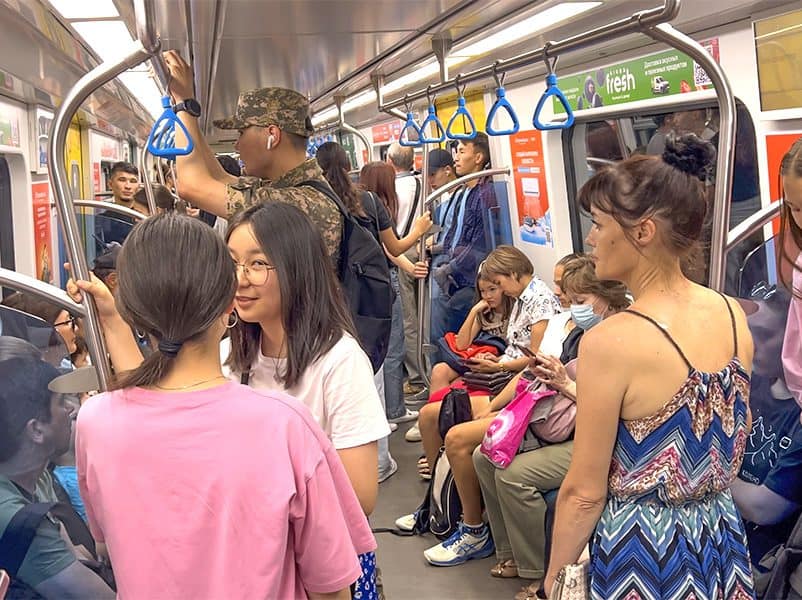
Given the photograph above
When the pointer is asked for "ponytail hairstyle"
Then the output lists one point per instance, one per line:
(335, 164)
(790, 166)
(672, 189)
(175, 279)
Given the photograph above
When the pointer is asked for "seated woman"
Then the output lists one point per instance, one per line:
(509, 268)
(234, 491)
(481, 320)
(513, 496)
(489, 316)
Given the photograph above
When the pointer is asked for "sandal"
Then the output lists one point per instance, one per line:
(423, 468)
(530, 592)
(505, 569)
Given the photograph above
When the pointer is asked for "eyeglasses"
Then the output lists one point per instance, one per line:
(255, 272)
(71, 322)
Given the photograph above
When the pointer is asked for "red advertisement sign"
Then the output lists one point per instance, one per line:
(777, 144)
(96, 178)
(41, 231)
(529, 174)
(386, 132)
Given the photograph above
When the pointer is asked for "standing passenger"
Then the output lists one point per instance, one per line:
(662, 398)
(231, 492)
(274, 126)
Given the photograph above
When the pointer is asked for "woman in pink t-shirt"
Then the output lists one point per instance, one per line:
(790, 245)
(202, 487)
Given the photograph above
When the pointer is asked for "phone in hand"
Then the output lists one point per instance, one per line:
(527, 351)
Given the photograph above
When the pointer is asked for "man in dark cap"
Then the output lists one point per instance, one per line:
(105, 266)
(274, 126)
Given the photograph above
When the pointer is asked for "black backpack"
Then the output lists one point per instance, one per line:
(365, 278)
(780, 575)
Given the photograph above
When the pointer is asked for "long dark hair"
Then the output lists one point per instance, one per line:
(791, 164)
(175, 279)
(313, 309)
(379, 178)
(335, 164)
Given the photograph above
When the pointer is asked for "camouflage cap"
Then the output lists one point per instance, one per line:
(287, 109)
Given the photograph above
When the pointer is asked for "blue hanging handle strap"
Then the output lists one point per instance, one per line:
(552, 90)
(463, 112)
(433, 120)
(161, 141)
(501, 103)
(410, 127)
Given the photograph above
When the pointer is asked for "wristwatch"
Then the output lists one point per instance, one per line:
(190, 105)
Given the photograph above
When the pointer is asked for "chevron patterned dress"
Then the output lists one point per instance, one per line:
(670, 529)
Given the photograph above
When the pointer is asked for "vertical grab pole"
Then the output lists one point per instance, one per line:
(726, 145)
(145, 173)
(97, 77)
(422, 313)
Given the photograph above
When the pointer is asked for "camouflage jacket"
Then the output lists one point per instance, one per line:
(252, 190)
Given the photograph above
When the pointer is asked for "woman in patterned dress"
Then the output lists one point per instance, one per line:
(662, 399)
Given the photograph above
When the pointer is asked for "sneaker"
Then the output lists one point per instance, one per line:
(389, 472)
(393, 426)
(410, 389)
(413, 434)
(417, 397)
(407, 522)
(464, 545)
(409, 415)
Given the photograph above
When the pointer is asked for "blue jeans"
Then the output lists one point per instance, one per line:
(448, 313)
(394, 361)
(385, 460)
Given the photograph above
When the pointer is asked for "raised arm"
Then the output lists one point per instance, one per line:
(201, 180)
(396, 246)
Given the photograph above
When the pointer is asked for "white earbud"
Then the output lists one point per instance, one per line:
(270, 141)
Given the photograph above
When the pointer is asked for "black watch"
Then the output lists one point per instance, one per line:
(190, 105)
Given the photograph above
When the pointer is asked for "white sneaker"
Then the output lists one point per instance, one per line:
(406, 523)
(413, 434)
(393, 426)
(461, 547)
(409, 415)
(389, 472)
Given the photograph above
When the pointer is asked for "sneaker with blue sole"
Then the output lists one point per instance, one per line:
(466, 543)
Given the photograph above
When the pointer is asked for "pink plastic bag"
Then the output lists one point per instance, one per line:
(503, 436)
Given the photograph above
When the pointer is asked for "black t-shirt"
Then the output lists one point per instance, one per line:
(773, 457)
(376, 212)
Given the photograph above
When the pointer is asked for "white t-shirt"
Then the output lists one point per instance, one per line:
(555, 334)
(338, 389)
(405, 187)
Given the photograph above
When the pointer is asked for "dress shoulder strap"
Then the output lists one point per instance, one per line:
(732, 321)
(664, 332)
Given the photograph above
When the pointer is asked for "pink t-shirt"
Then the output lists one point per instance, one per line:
(229, 492)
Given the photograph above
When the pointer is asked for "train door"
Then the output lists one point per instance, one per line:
(6, 218)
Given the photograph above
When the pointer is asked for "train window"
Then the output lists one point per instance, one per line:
(593, 145)
(778, 45)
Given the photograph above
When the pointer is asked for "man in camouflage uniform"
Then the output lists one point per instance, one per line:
(274, 127)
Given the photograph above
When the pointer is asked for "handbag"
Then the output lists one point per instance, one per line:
(572, 583)
(554, 419)
(503, 437)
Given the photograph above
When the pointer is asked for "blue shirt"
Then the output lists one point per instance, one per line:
(473, 241)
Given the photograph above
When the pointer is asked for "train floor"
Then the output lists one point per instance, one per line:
(405, 573)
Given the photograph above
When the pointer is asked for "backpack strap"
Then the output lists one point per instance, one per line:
(245, 378)
(414, 207)
(325, 189)
(19, 534)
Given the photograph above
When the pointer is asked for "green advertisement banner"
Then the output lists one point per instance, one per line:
(662, 74)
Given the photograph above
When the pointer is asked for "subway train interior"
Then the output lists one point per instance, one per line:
(417, 418)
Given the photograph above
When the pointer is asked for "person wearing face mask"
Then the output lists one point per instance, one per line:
(513, 496)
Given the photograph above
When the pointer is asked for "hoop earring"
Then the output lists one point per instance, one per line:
(236, 320)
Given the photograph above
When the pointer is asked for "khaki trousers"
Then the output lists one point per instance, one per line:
(515, 506)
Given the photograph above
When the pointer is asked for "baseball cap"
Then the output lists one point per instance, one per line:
(78, 381)
(108, 260)
(287, 109)
(439, 158)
